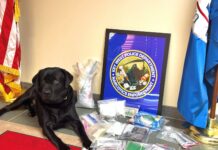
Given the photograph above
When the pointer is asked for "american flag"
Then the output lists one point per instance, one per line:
(10, 52)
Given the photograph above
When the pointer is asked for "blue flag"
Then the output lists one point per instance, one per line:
(212, 52)
(200, 62)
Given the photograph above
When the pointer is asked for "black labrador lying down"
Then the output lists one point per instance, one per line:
(51, 99)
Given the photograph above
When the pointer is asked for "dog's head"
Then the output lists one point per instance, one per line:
(52, 84)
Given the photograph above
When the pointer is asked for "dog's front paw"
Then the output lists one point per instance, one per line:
(90, 148)
(32, 114)
(2, 111)
(87, 149)
(87, 144)
(63, 147)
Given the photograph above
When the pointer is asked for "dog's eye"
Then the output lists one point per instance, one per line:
(56, 82)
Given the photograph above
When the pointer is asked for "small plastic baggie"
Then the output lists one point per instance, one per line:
(154, 122)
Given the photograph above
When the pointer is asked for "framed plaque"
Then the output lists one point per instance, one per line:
(134, 68)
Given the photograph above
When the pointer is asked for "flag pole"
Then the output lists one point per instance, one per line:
(214, 98)
(210, 134)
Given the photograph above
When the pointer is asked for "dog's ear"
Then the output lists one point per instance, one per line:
(68, 78)
(35, 80)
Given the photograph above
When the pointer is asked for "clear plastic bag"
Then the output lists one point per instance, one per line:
(134, 133)
(94, 126)
(154, 122)
(108, 144)
(120, 107)
(111, 108)
(174, 135)
(96, 131)
(85, 75)
(107, 109)
(142, 146)
(131, 110)
(116, 129)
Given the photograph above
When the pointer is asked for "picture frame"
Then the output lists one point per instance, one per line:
(134, 68)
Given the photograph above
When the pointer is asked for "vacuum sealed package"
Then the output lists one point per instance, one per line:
(142, 146)
(136, 146)
(154, 122)
(108, 144)
(184, 140)
(174, 135)
(165, 134)
(134, 133)
(85, 76)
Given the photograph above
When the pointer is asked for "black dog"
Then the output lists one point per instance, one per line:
(51, 99)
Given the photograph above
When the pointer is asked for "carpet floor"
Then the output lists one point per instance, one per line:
(26, 130)
(10, 140)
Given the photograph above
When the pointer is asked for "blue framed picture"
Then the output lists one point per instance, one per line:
(134, 68)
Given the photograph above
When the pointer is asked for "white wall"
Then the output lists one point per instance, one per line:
(61, 33)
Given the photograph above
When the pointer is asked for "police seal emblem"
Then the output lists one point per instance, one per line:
(133, 74)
